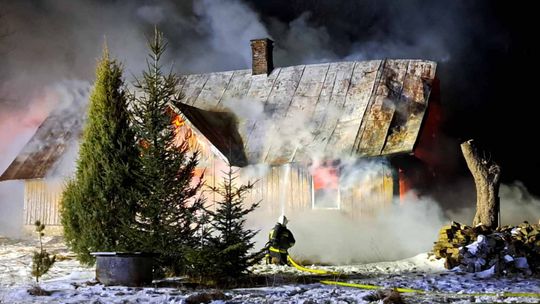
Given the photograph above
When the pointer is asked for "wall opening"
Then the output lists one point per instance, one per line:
(325, 185)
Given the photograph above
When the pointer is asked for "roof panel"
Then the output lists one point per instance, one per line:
(213, 89)
(193, 87)
(238, 87)
(39, 156)
(276, 144)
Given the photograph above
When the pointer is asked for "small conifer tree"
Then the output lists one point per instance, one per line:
(98, 204)
(228, 243)
(41, 260)
(168, 202)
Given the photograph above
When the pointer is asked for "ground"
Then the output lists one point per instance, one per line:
(70, 282)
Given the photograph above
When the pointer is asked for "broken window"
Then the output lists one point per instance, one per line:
(325, 177)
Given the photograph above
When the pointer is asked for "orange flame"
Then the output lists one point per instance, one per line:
(185, 133)
(178, 121)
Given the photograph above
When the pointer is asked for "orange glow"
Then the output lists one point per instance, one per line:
(144, 143)
(428, 143)
(325, 177)
(404, 186)
(185, 133)
(178, 121)
(197, 175)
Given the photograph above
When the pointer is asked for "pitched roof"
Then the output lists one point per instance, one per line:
(363, 108)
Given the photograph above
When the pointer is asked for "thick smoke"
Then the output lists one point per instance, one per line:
(517, 206)
(397, 230)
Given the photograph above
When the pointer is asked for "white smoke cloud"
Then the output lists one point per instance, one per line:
(400, 230)
(518, 205)
(230, 25)
(11, 208)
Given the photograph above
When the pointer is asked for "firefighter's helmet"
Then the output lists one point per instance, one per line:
(283, 220)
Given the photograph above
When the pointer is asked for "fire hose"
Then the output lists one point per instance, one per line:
(408, 290)
(402, 290)
(315, 271)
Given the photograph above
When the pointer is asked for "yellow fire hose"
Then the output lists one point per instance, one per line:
(315, 271)
(370, 287)
(408, 290)
(403, 290)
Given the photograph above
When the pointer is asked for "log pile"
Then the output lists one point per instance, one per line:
(505, 250)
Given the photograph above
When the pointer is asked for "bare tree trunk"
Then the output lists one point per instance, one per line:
(486, 174)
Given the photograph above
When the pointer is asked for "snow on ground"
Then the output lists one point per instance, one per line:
(72, 283)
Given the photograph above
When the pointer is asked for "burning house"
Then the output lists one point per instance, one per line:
(312, 127)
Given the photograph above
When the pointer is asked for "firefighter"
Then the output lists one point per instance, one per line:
(280, 240)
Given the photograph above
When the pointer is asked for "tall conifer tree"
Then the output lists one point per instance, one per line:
(169, 203)
(98, 204)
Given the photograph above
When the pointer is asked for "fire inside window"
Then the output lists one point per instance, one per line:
(325, 179)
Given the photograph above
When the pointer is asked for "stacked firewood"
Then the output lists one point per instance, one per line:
(508, 249)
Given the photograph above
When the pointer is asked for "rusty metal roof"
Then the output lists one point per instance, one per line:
(41, 156)
(362, 108)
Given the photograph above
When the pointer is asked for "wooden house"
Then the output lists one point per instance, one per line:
(309, 126)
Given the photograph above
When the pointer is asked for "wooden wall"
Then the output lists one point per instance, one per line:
(291, 189)
(369, 195)
(41, 201)
(288, 187)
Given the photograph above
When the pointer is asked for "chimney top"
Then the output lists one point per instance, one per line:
(261, 54)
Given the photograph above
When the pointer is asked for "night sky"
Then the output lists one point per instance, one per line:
(484, 50)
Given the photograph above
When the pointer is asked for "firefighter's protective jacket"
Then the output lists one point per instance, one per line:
(281, 239)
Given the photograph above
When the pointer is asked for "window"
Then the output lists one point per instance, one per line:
(325, 178)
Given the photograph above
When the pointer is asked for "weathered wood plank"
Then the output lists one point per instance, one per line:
(301, 111)
(386, 91)
(328, 124)
(193, 87)
(321, 109)
(181, 82)
(259, 91)
(377, 123)
(264, 134)
(360, 89)
(296, 123)
(354, 106)
(41, 201)
(412, 105)
(213, 90)
(238, 87)
(422, 68)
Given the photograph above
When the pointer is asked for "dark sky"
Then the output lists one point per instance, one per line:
(484, 50)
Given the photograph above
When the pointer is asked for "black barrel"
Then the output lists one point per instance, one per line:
(123, 269)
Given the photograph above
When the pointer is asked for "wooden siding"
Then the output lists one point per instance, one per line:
(42, 201)
(369, 196)
(293, 188)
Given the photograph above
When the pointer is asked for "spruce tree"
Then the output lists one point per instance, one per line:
(230, 241)
(98, 204)
(168, 202)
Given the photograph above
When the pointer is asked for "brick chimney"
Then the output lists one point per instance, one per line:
(261, 54)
